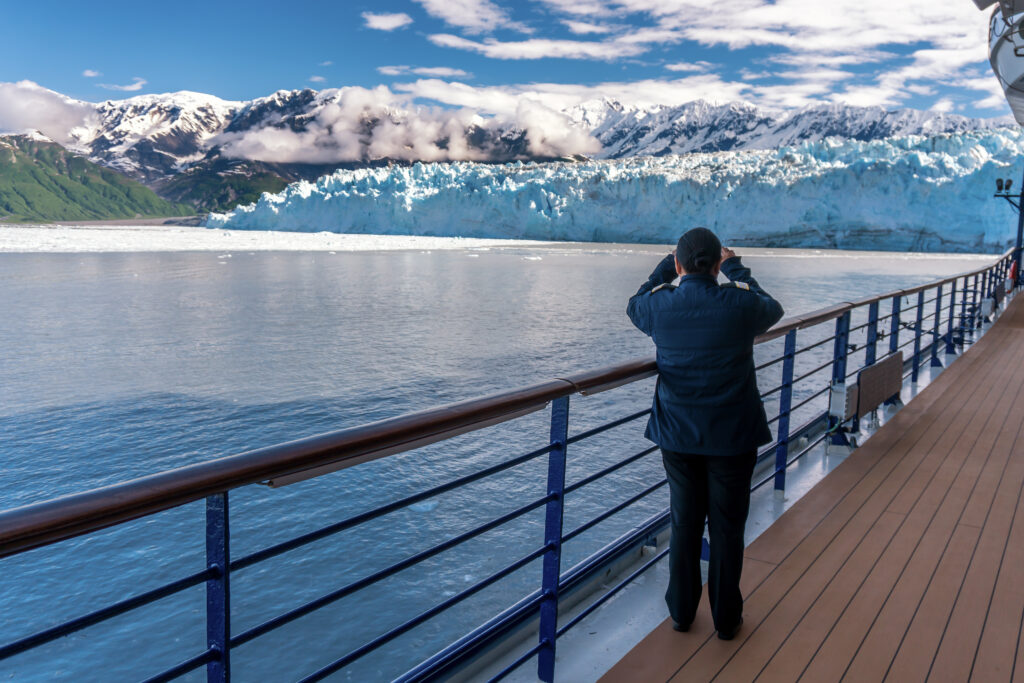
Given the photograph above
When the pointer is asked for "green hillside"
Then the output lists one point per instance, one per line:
(40, 181)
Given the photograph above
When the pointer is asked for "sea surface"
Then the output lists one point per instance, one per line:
(117, 365)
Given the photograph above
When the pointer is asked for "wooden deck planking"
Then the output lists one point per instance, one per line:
(997, 650)
(890, 626)
(874, 572)
(921, 641)
(955, 656)
(663, 638)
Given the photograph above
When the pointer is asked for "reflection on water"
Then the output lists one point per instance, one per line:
(118, 365)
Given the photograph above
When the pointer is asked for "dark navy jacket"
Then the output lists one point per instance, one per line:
(706, 401)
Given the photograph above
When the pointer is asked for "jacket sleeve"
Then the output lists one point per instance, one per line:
(639, 307)
(767, 310)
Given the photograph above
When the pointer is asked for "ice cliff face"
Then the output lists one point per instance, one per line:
(926, 193)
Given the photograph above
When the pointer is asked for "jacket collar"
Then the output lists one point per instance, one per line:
(698, 277)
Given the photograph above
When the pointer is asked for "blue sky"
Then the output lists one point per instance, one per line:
(488, 54)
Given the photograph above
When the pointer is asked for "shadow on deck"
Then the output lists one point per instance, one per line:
(906, 563)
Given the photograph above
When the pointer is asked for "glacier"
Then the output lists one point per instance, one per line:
(915, 193)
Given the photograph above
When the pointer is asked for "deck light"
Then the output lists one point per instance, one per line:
(1006, 184)
(999, 184)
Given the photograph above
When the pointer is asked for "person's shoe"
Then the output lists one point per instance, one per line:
(731, 633)
(682, 628)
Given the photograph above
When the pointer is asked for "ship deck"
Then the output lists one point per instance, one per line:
(906, 563)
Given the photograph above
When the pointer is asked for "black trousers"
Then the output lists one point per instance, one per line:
(716, 488)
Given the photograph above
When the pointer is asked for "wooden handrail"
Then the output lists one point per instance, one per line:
(47, 522)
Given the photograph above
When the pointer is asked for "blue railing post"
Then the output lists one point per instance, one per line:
(839, 355)
(936, 363)
(917, 336)
(894, 331)
(553, 540)
(871, 352)
(950, 347)
(218, 593)
(975, 302)
(963, 315)
(785, 404)
(894, 324)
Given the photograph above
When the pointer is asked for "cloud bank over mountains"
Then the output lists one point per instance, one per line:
(26, 106)
(330, 126)
(354, 124)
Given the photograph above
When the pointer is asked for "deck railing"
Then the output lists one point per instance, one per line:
(802, 359)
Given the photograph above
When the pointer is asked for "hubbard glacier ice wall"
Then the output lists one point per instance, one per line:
(924, 193)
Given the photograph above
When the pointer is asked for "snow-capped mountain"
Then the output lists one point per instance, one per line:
(916, 193)
(215, 153)
(700, 126)
(155, 137)
(151, 137)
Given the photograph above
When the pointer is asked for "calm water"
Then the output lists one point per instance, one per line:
(118, 365)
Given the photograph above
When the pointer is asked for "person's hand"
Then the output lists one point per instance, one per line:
(727, 253)
(666, 270)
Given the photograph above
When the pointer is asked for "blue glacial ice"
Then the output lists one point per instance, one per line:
(921, 193)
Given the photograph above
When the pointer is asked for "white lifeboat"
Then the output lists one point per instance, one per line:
(1006, 50)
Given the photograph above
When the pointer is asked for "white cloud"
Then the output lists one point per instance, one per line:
(504, 100)
(800, 88)
(987, 84)
(832, 60)
(948, 38)
(28, 106)
(650, 35)
(327, 63)
(584, 27)
(135, 86)
(475, 16)
(815, 75)
(943, 105)
(317, 79)
(339, 131)
(441, 72)
(690, 67)
(89, 73)
(804, 25)
(429, 71)
(927, 68)
(588, 8)
(541, 48)
(386, 22)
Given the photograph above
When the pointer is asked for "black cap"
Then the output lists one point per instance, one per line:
(698, 250)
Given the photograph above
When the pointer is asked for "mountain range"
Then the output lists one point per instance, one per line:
(701, 126)
(215, 154)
